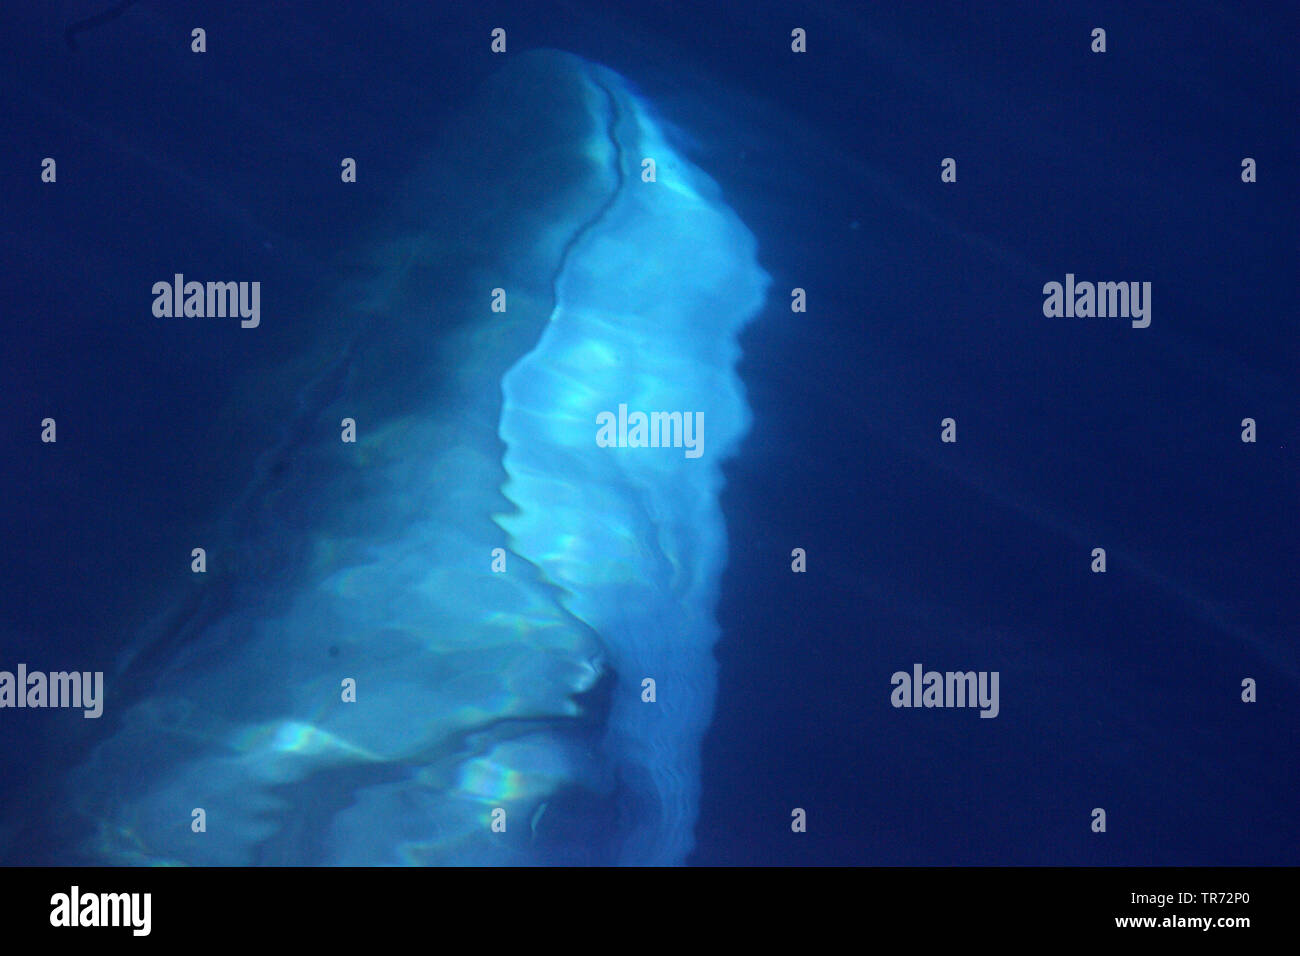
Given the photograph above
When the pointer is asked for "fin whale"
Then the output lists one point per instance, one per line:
(499, 714)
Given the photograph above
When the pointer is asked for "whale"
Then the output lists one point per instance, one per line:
(471, 633)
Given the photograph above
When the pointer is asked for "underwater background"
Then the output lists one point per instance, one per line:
(1120, 690)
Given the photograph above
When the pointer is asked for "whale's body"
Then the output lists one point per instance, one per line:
(493, 687)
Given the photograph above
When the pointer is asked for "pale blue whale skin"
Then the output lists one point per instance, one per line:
(476, 691)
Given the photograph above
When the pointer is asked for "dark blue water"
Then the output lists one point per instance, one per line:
(1119, 690)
